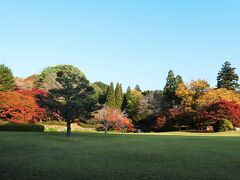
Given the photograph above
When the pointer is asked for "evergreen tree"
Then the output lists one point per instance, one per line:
(47, 80)
(227, 78)
(178, 80)
(137, 88)
(127, 97)
(170, 88)
(73, 101)
(6, 78)
(110, 101)
(119, 96)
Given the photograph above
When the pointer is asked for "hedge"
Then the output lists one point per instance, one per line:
(22, 127)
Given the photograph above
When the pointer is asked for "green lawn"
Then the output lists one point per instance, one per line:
(98, 156)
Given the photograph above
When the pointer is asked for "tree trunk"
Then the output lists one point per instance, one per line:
(68, 128)
(123, 129)
(106, 128)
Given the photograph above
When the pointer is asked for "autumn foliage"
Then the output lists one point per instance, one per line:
(41, 112)
(17, 108)
(170, 119)
(210, 114)
(161, 122)
(21, 106)
(214, 95)
(201, 106)
(112, 117)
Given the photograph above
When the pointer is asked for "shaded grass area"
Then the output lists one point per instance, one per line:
(26, 155)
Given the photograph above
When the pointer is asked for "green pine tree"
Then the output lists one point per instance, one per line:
(110, 101)
(178, 80)
(74, 100)
(227, 78)
(137, 87)
(119, 96)
(6, 78)
(170, 88)
(127, 97)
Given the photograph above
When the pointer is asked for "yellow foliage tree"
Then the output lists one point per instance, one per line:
(190, 93)
(214, 95)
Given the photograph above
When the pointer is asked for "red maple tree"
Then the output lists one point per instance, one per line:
(230, 110)
(41, 113)
(17, 108)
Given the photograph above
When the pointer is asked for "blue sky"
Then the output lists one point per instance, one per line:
(128, 41)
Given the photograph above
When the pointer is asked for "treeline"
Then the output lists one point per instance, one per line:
(63, 92)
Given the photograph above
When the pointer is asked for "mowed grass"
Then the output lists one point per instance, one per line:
(25, 155)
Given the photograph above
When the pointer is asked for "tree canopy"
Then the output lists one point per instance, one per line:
(6, 78)
(227, 78)
(48, 77)
(111, 100)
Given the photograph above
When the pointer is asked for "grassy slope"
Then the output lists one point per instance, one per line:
(99, 156)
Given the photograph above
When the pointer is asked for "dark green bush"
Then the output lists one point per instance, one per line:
(223, 125)
(22, 127)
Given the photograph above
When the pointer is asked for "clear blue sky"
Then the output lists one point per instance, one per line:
(130, 41)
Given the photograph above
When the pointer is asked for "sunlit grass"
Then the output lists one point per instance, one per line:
(174, 155)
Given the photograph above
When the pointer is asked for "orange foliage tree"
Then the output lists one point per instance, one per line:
(17, 108)
(42, 113)
(22, 106)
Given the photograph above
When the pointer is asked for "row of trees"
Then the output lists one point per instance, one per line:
(197, 105)
(63, 92)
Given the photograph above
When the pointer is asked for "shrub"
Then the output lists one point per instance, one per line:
(22, 127)
(223, 125)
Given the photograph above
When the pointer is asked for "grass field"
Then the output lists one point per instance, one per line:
(98, 156)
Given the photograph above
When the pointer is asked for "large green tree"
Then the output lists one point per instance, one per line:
(6, 78)
(131, 104)
(110, 101)
(119, 96)
(170, 88)
(227, 78)
(73, 99)
(48, 77)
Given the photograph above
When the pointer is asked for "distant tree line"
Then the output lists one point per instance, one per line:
(63, 92)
